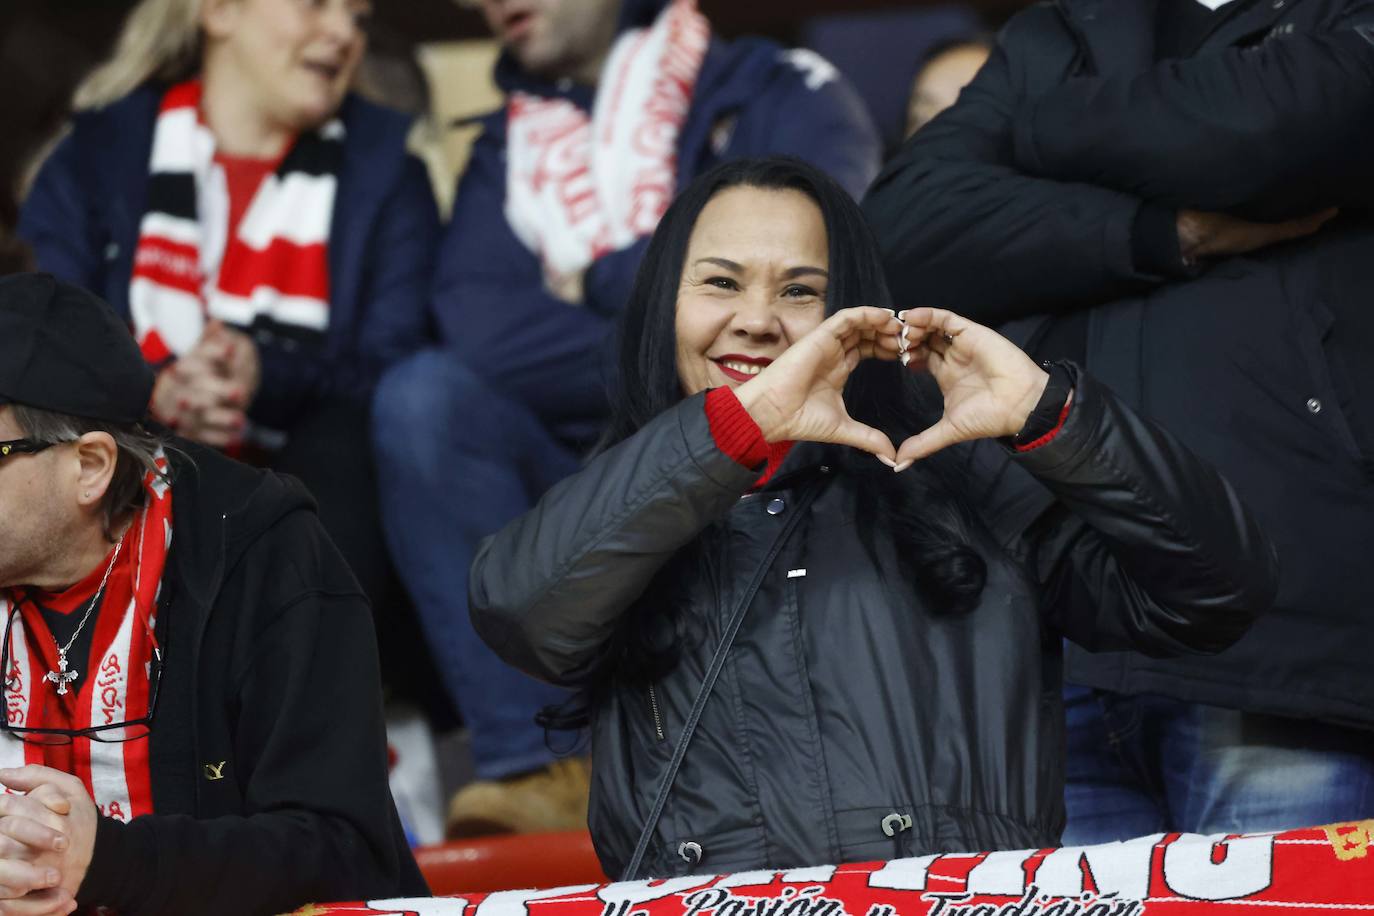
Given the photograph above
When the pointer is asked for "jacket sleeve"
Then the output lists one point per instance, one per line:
(1147, 546)
(56, 221)
(310, 753)
(393, 312)
(960, 226)
(1278, 130)
(547, 591)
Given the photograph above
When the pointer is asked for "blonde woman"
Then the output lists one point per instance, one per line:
(262, 229)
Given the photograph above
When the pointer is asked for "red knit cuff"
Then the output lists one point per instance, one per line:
(1049, 436)
(735, 432)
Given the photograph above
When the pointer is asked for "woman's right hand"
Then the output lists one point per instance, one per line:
(800, 396)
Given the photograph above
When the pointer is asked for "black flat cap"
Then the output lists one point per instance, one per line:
(65, 350)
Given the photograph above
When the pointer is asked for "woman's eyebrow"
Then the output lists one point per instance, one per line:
(793, 273)
(722, 262)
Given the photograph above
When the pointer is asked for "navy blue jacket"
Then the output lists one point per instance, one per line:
(82, 220)
(490, 304)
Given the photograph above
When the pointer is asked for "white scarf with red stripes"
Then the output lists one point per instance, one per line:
(579, 187)
(273, 269)
(114, 683)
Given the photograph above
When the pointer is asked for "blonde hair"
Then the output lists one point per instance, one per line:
(161, 39)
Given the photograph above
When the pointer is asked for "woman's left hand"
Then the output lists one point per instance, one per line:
(990, 386)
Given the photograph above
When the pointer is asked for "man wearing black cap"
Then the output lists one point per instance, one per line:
(193, 714)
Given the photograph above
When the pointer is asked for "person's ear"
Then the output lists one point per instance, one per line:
(97, 456)
(219, 17)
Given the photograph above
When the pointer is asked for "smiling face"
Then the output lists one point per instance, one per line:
(292, 60)
(555, 38)
(753, 283)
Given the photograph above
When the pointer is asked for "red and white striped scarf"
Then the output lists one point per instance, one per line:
(114, 680)
(271, 271)
(578, 187)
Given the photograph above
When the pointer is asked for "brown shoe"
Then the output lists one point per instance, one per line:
(548, 800)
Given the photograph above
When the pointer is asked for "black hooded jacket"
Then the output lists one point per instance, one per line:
(846, 699)
(268, 752)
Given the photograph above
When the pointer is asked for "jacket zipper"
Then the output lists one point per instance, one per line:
(653, 708)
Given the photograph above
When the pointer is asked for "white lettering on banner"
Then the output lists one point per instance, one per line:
(513, 903)
(1115, 868)
(1000, 873)
(806, 901)
(1190, 869)
(622, 898)
(903, 874)
(809, 875)
(1032, 903)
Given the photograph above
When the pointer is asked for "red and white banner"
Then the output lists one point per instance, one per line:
(1324, 870)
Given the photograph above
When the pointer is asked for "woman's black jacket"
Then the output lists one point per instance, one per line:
(845, 699)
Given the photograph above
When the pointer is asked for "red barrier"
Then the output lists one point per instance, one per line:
(506, 862)
(1316, 872)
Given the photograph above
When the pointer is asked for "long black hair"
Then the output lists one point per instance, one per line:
(918, 509)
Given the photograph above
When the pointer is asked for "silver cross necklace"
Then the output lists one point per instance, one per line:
(62, 677)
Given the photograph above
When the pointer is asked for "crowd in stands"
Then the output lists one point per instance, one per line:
(610, 450)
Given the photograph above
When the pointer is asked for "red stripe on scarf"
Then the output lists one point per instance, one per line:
(182, 95)
(290, 269)
(134, 583)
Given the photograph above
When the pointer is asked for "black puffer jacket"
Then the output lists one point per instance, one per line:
(845, 699)
(1026, 200)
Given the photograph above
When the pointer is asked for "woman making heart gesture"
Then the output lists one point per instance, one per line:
(791, 655)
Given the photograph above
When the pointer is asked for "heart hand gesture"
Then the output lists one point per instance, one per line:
(990, 386)
(799, 397)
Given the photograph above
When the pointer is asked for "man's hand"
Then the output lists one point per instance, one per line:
(48, 836)
(32, 843)
(1217, 235)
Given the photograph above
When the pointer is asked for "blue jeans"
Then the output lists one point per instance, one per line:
(1139, 765)
(456, 461)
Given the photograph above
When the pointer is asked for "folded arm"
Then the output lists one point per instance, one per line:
(1272, 132)
(962, 227)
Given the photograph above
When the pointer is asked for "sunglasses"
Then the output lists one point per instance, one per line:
(22, 447)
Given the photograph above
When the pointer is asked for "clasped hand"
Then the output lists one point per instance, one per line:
(989, 385)
(47, 837)
(206, 393)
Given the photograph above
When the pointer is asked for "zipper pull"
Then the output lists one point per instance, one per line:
(658, 719)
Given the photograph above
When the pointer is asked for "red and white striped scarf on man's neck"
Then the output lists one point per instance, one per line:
(578, 187)
(271, 270)
(114, 679)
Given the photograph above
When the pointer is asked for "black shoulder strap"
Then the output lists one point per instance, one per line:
(708, 683)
